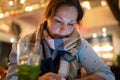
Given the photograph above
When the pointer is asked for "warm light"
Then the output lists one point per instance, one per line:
(10, 3)
(7, 14)
(22, 1)
(12, 12)
(94, 35)
(104, 34)
(107, 55)
(12, 40)
(103, 3)
(1, 15)
(35, 6)
(102, 48)
(107, 48)
(96, 48)
(28, 8)
(86, 4)
(104, 29)
(4, 27)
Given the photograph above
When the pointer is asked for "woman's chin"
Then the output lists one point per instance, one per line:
(60, 36)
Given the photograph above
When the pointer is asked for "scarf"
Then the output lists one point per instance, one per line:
(63, 49)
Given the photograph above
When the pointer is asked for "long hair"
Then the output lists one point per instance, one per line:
(55, 4)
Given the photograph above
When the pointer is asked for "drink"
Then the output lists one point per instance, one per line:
(28, 60)
(28, 72)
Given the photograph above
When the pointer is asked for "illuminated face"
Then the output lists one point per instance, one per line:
(63, 23)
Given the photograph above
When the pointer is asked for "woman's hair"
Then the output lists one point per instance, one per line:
(55, 4)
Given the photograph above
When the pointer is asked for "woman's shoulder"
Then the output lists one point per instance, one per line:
(28, 38)
(85, 47)
(83, 43)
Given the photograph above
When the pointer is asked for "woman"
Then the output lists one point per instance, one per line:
(66, 50)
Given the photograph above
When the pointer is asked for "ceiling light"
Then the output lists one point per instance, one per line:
(96, 48)
(107, 48)
(103, 3)
(22, 1)
(10, 3)
(35, 6)
(86, 4)
(104, 29)
(104, 34)
(28, 8)
(1, 15)
(94, 35)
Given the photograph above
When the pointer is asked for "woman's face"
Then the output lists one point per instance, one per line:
(63, 23)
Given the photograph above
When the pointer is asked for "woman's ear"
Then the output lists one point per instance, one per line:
(77, 26)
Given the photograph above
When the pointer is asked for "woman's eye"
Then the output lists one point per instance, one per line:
(58, 21)
(70, 24)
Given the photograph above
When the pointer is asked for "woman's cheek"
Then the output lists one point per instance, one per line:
(70, 30)
(56, 29)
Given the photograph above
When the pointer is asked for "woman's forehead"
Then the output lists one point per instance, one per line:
(69, 12)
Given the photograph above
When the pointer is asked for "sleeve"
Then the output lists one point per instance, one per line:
(12, 65)
(92, 63)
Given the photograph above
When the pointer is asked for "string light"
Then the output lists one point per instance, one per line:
(104, 34)
(12, 40)
(22, 1)
(104, 29)
(28, 8)
(1, 15)
(17, 7)
(103, 3)
(94, 35)
(86, 4)
(10, 3)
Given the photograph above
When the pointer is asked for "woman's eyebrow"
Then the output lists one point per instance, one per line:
(73, 21)
(59, 17)
(62, 19)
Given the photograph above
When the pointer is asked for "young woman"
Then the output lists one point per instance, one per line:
(63, 48)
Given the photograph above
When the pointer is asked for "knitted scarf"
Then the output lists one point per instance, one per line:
(58, 55)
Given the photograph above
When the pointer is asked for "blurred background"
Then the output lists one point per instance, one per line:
(100, 26)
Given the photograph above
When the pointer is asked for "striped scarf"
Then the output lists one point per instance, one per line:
(66, 48)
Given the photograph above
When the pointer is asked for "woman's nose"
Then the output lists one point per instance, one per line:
(63, 26)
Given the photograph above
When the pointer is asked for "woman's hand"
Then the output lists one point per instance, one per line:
(51, 76)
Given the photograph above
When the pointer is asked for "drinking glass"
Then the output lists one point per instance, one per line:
(28, 60)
